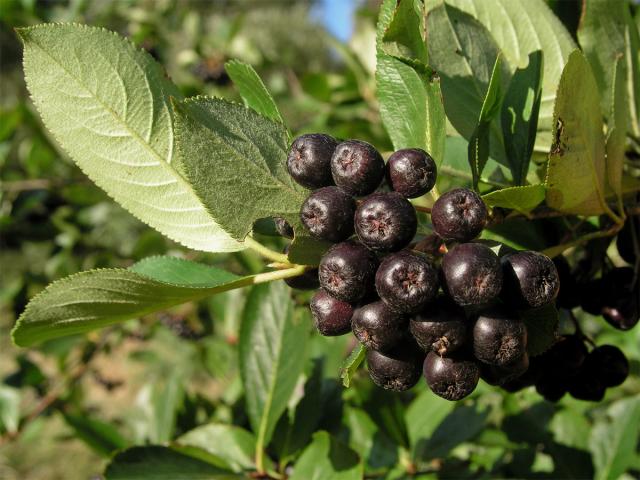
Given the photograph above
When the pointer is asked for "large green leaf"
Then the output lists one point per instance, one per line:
(272, 351)
(520, 27)
(97, 298)
(233, 444)
(575, 173)
(520, 110)
(107, 103)
(463, 53)
(402, 32)
(617, 129)
(521, 199)
(327, 458)
(607, 31)
(252, 90)
(421, 426)
(365, 437)
(614, 439)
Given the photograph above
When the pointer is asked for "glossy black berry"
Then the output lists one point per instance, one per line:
(565, 358)
(530, 279)
(500, 375)
(411, 172)
(621, 302)
(328, 214)
(397, 370)
(332, 317)
(586, 386)
(628, 241)
(406, 281)
(459, 214)
(347, 271)
(472, 274)
(441, 327)
(499, 337)
(551, 388)
(386, 222)
(357, 167)
(377, 327)
(451, 378)
(608, 364)
(309, 160)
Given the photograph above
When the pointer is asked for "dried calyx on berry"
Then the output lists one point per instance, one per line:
(499, 337)
(328, 214)
(386, 222)
(451, 378)
(441, 327)
(459, 214)
(357, 167)
(309, 160)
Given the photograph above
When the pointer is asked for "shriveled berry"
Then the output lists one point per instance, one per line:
(406, 281)
(357, 167)
(451, 378)
(283, 227)
(460, 214)
(411, 172)
(309, 160)
(397, 370)
(530, 279)
(347, 271)
(378, 327)
(441, 327)
(608, 364)
(495, 375)
(472, 274)
(332, 316)
(499, 337)
(386, 222)
(328, 214)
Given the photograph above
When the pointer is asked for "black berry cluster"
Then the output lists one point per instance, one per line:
(453, 313)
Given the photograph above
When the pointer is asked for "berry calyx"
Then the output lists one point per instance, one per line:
(406, 282)
(357, 167)
(411, 172)
(397, 370)
(347, 271)
(332, 317)
(386, 222)
(441, 327)
(530, 279)
(309, 160)
(459, 214)
(499, 337)
(451, 378)
(328, 214)
(378, 327)
(472, 274)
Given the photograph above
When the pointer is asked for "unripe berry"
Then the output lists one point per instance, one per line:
(451, 378)
(347, 271)
(332, 316)
(441, 327)
(530, 279)
(377, 327)
(357, 167)
(406, 282)
(459, 214)
(309, 160)
(328, 214)
(411, 172)
(397, 370)
(499, 337)
(386, 222)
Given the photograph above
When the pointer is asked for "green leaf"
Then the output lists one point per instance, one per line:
(102, 437)
(480, 141)
(463, 53)
(327, 458)
(236, 161)
(614, 439)
(232, 444)
(166, 399)
(521, 199)
(107, 104)
(421, 426)
(607, 31)
(575, 173)
(272, 351)
(252, 89)
(408, 91)
(366, 438)
(519, 28)
(542, 328)
(163, 463)
(9, 408)
(520, 110)
(352, 363)
(615, 143)
(97, 298)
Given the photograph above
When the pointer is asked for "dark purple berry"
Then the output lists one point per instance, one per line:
(551, 388)
(472, 274)
(527, 379)
(347, 271)
(332, 316)
(628, 241)
(569, 294)
(608, 364)
(357, 167)
(451, 378)
(499, 337)
(283, 227)
(406, 282)
(328, 214)
(530, 279)
(500, 375)
(397, 370)
(309, 160)
(459, 214)
(386, 222)
(377, 327)
(586, 386)
(621, 303)
(441, 327)
(565, 358)
(411, 172)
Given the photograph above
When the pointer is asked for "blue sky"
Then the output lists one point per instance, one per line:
(337, 16)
